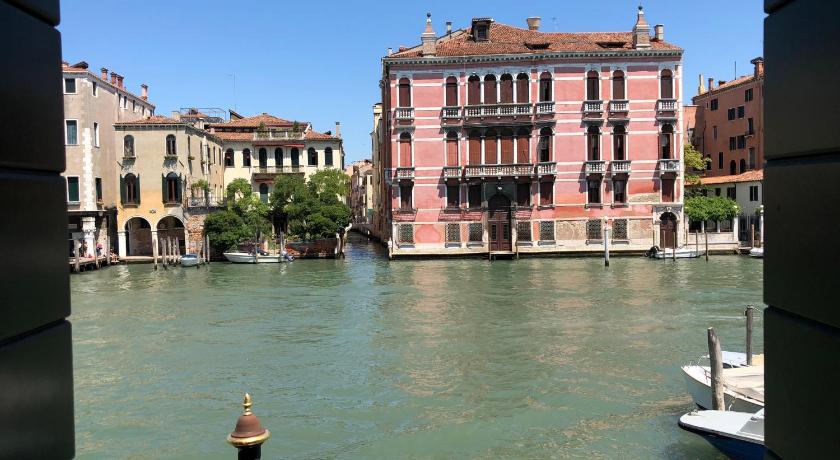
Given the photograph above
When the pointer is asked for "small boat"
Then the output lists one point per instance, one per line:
(668, 253)
(743, 387)
(757, 253)
(190, 260)
(739, 435)
(250, 258)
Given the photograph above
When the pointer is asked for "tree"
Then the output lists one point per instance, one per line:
(694, 164)
(225, 229)
(312, 210)
(700, 208)
(329, 182)
(237, 189)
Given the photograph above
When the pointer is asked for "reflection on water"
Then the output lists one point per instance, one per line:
(366, 358)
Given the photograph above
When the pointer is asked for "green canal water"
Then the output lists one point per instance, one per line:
(370, 358)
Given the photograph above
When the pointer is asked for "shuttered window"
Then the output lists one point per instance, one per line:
(452, 149)
(522, 88)
(618, 85)
(506, 89)
(490, 150)
(404, 93)
(451, 91)
(668, 190)
(507, 147)
(474, 90)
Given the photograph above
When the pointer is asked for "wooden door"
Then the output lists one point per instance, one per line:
(499, 223)
(667, 231)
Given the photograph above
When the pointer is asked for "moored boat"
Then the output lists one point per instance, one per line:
(190, 260)
(250, 258)
(757, 253)
(743, 387)
(668, 253)
(739, 435)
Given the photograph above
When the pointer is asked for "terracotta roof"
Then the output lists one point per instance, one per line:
(253, 122)
(749, 176)
(505, 39)
(83, 68)
(315, 135)
(153, 120)
(727, 85)
(234, 136)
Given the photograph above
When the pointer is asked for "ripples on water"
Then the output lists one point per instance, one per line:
(366, 358)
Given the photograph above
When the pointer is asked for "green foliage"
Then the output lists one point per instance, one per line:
(312, 210)
(225, 229)
(694, 164)
(238, 189)
(701, 208)
(201, 184)
(262, 128)
(329, 182)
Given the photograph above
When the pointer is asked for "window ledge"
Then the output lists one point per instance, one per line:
(475, 244)
(593, 205)
(597, 241)
(546, 243)
(620, 205)
(452, 245)
(171, 205)
(73, 203)
(130, 205)
(525, 243)
(623, 241)
(545, 206)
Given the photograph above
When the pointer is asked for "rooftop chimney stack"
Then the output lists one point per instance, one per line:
(114, 78)
(534, 23)
(176, 115)
(120, 81)
(700, 88)
(104, 73)
(338, 129)
(390, 51)
(659, 32)
(711, 83)
(448, 27)
(144, 91)
(721, 82)
(428, 37)
(641, 31)
(759, 66)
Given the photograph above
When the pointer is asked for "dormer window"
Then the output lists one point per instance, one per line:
(481, 29)
(481, 33)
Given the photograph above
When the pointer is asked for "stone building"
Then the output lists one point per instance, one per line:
(499, 139)
(92, 104)
(379, 221)
(360, 198)
(168, 167)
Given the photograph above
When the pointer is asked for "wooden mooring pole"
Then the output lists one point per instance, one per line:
(165, 253)
(206, 249)
(752, 236)
(76, 254)
(716, 368)
(749, 314)
(607, 246)
(155, 252)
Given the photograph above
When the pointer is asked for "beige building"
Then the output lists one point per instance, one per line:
(378, 221)
(92, 104)
(170, 171)
(360, 199)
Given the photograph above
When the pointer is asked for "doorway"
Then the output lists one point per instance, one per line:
(668, 230)
(499, 223)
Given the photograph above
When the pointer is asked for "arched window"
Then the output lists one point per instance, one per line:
(522, 148)
(666, 86)
(278, 157)
(451, 91)
(618, 85)
(475, 147)
(619, 141)
(328, 156)
(522, 88)
(545, 87)
(490, 147)
(262, 157)
(506, 91)
(593, 92)
(665, 141)
(229, 157)
(405, 149)
(264, 192)
(170, 145)
(246, 158)
(732, 168)
(545, 145)
(593, 141)
(452, 148)
(130, 189)
(708, 162)
(404, 93)
(172, 189)
(743, 166)
(507, 146)
(474, 90)
(490, 89)
(295, 153)
(128, 146)
(313, 156)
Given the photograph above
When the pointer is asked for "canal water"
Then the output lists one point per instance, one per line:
(370, 358)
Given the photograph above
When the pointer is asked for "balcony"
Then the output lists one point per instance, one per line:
(546, 168)
(620, 166)
(508, 170)
(404, 113)
(594, 167)
(277, 135)
(666, 109)
(593, 108)
(267, 172)
(205, 202)
(669, 166)
(618, 109)
(497, 110)
(450, 113)
(545, 108)
(404, 173)
(451, 172)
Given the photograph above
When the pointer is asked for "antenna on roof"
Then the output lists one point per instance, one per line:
(554, 21)
(735, 77)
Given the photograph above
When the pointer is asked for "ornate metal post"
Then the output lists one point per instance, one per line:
(249, 434)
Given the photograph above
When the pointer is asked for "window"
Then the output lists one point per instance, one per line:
(708, 162)
(594, 229)
(229, 157)
(740, 111)
(619, 138)
(507, 147)
(619, 229)
(133, 105)
(522, 91)
(523, 194)
(405, 196)
(618, 85)
(506, 89)
(73, 189)
(714, 132)
(264, 192)
(474, 90)
(451, 91)
(545, 87)
(405, 149)
(328, 156)
(404, 93)
(128, 146)
(593, 191)
(544, 146)
(732, 143)
(95, 134)
(295, 157)
(453, 196)
(753, 192)
(453, 233)
(593, 92)
(523, 154)
(593, 141)
(171, 148)
(262, 158)
(98, 185)
(71, 132)
(730, 114)
(743, 166)
(713, 104)
(312, 156)
(481, 32)
(619, 190)
(246, 158)
(752, 157)
(742, 142)
(474, 196)
(720, 160)
(278, 157)
(546, 193)
(730, 193)
(666, 85)
(732, 167)
(668, 190)
(750, 127)
(94, 89)
(452, 148)
(130, 189)
(665, 141)
(490, 89)
(717, 191)
(171, 189)
(70, 86)
(748, 95)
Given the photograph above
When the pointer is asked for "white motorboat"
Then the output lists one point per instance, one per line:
(250, 258)
(743, 387)
(190, 260)
(682, 253)
(758, 253)
(739, 435)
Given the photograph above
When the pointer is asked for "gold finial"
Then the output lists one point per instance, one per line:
(246, 405)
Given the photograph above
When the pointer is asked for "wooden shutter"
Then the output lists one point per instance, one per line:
(507, 149)
(522, 149)
(122, 190)
(522, 90)
(405, 152)
(404, 94)
(475, 150)
(473, 92)
(507, 91)
(163, 189)
(178, 185)
(668, 190)
(490, 149)
(451, 93)
(546, 193)
(137, 189)
(618, 87)
(490, 91)
(452, 152)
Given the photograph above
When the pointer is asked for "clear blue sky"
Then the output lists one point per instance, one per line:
(319, 60)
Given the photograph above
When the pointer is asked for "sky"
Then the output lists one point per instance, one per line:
(319, 61)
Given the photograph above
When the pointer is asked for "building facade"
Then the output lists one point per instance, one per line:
(360, 198)
(379, 221)
(729, 132)
(92, 104)
(500, 139)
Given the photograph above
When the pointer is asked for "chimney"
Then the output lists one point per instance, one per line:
(759, 66)
(659, 32)
(390, 51)
(144, 91)
(711, 83)
(721, 82)
(114, 78)
(120, 81)
(428, 37)
(533, 22)
(700, 88)
(176, 115)
(338, 129)
(641, 31)
(104, 73)
(448, 27)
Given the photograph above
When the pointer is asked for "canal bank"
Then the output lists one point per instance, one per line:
(366, 358)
